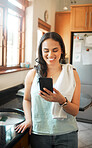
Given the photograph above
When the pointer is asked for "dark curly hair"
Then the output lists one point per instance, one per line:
(42, 66)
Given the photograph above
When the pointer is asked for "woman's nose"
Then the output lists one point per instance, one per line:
(50, 54)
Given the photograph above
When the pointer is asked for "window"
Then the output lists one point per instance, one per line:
(1, 34)
(16, 3)
(12, 24)
(13, 38)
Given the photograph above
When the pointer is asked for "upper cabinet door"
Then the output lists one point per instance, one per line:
(90, 19)
(79, 18)
(62, 26)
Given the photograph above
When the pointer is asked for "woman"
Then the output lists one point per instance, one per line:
(53, 122)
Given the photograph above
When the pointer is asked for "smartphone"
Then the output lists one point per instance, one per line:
(46, 83)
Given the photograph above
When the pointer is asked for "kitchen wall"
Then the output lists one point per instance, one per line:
(12, 79)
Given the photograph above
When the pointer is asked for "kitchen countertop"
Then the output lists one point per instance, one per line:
(9, 137)
(9, 118)
(85, 102)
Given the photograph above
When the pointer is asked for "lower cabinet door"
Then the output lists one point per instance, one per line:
(23, 142)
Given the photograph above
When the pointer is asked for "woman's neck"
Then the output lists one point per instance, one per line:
(54, 68)
(54, 71)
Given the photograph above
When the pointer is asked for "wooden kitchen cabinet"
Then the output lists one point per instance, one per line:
(62, 26)
(81, 17)
(23, 142)
(90, 19)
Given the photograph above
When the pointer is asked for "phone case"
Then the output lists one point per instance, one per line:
(46, 83)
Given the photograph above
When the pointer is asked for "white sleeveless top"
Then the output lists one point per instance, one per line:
(49, 118)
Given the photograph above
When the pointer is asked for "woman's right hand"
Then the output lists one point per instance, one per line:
(23, 126)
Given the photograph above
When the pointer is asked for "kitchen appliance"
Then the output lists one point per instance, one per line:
(81, 59)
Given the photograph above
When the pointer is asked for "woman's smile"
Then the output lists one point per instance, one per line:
(51, 59)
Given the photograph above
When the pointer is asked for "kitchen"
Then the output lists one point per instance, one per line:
(33, 12)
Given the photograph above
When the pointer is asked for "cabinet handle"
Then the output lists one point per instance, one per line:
(90, 19)
(86, 20)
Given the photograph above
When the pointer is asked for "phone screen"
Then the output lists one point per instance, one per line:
(46, 83)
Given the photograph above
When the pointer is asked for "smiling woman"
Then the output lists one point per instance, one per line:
(50, 113)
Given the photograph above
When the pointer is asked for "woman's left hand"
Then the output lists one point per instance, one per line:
(23, 126)
(52, 97)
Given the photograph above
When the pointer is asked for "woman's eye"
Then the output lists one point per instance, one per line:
(45, 51)
(55, 50)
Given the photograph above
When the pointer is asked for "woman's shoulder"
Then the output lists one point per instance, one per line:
(69, 66)
(32, 72)
(30, 75)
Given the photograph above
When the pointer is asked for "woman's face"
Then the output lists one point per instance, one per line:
(51, 51)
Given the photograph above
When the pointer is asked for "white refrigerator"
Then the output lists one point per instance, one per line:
(81, 59)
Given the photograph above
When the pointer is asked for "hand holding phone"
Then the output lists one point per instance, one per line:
(46, 83)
